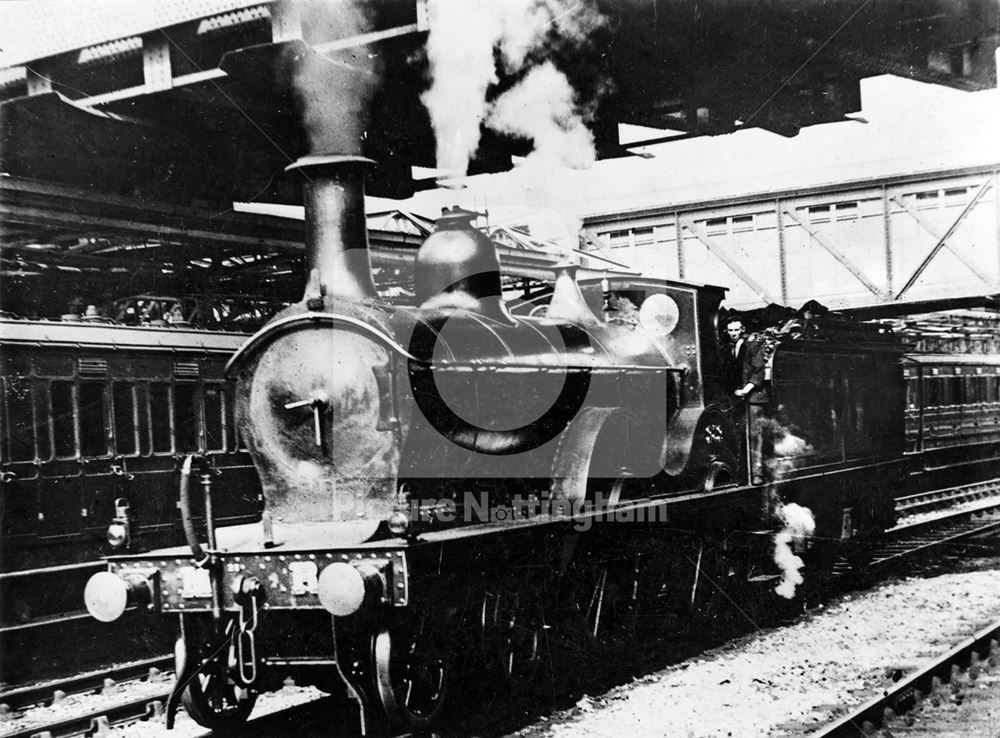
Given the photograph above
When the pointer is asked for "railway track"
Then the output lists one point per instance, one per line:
(47, 693)
(948, 497)
(308, 717)
(933, 519)
(99, 721)
(95, 721)
(964, 660)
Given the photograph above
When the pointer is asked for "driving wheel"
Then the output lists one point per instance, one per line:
(512, 636)
(411, 674)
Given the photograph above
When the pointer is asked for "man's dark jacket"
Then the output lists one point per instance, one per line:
(748, 366)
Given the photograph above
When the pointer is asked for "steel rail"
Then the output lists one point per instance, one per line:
(98, 721)
(50, 691)
(948, 496)
(910, 538)
(929, 535)
(909, 692)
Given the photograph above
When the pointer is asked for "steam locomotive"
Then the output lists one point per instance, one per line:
(448, 475)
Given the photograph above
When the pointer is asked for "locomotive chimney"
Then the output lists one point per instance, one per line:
(336, 231)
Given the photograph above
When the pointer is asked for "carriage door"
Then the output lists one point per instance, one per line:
(18, 468)
(99, 486)
(60, 500)
(78, 471)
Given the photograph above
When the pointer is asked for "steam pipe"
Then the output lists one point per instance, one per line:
(336, 230)
(206, 487)
(187, 519)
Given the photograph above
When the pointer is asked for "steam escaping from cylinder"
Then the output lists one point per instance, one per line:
(786, 450)
(799, 525)
(467, 41)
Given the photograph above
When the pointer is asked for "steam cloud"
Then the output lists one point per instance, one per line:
(468, 39)
(786, 449)
(542, 107)
(799, 524)
(335, 90)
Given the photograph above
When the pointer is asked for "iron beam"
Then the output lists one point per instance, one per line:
(941, 241)
(722, 256)
(937, 235)
(837, 254)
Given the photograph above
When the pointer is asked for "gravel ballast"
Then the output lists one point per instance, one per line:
(791, 680)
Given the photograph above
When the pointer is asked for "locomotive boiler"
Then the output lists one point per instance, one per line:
(395, 445)
(345, 399)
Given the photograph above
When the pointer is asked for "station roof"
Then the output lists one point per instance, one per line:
(128, 130)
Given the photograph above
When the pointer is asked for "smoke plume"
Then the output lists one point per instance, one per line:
(471, 42)
(334, 89)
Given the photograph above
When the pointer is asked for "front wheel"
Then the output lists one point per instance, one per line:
(216, 702)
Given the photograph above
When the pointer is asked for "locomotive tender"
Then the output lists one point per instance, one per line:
(381, 432)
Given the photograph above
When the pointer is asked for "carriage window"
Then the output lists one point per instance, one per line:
(930, 392)
(42, 438)
(233, 439)
(63, 422)
(186, 416)
(142, 418)
(19, 427)
(214, 439)
(230, 421)
(957, 394)
(973, 389)
(160, 420)
(911, 394)
(93, 423)
(125, 425)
